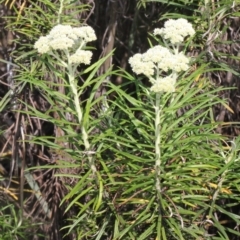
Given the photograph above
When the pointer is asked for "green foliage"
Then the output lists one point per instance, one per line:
(10, 226)
(189, 161)
(199, 171)
(184, 4)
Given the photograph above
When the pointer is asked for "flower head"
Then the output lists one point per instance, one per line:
(86, 33)
(161, 56)
(166, 59)
(175, 30)
(81, 56)
(61, 43)
(63, 37)
(141, 66)
(62, 31)
(42, 45)
(157, 54)
(166, 84)
(180, 62)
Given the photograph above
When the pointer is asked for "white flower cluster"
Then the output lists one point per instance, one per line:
(166, 84)
(175, 30)
(42, 45)
(164, 59)
(180, 62)
(81, 56)
(86, 33)
(65, 37)
(158, 57)
(141, 66)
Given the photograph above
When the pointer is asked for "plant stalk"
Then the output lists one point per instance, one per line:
(73, 86)
(157, 142)
(158, 158)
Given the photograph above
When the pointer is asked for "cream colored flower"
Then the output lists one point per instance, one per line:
(180, 62)
(157, 54)
(175, 30)
(61, 43)
(42, 45)
(63, 37)
(166, 84)
(81, 56)
(161, 56)
(62, 31)
(86, 33)
(140, 66)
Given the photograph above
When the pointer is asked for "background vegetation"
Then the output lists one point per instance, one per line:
(48, 190)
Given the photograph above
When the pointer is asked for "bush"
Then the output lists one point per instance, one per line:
(132, 162)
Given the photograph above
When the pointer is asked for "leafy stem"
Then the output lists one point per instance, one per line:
(157, 142)
(73, 86)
